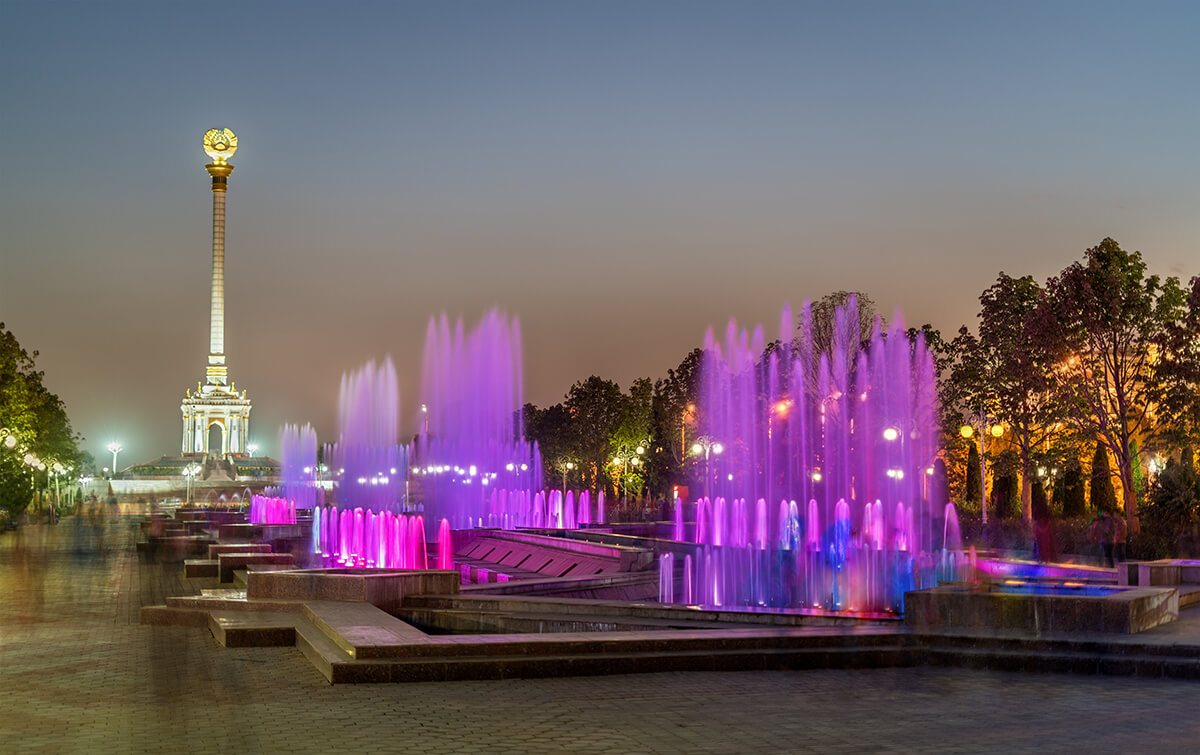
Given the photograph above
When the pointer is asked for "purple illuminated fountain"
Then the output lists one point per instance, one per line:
(474, 467)
(815, 465)
(298, 466)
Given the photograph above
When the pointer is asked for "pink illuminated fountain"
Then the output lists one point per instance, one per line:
(841, 436)
(270, 510)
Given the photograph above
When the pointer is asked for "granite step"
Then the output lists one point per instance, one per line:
(467, 621)
(535, 666)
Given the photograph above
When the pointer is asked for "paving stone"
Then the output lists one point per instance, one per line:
(80, 674)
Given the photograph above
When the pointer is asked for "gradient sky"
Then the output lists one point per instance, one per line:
(619, 175)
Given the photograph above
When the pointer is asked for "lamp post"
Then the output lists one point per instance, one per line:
(995, 430)
(709, 448)
(190, 471)
(566, 467)
(690, 409)
(252, 448)
(115, 448)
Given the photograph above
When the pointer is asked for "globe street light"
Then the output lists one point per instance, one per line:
(968, 431)
(190, 471)
(115, 448)
(252, 448)
(708, 448)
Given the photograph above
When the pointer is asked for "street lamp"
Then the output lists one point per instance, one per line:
(708, 448)
(190, 471)
(115, 448)
(968, 431)
(566, 467)
(252, 448)
(10, 440)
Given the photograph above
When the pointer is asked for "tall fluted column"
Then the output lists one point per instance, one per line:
(217, 371)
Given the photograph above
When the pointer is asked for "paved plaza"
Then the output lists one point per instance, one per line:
(78, 673)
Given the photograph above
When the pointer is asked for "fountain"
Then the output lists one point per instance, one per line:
(270, 510)
(842, 436)
(474, 466)
(298, 465)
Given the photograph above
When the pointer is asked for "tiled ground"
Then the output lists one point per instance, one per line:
(79, 674)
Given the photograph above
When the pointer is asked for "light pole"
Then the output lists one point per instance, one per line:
(709, 449)
(566, 467)
(252, 448)
(190, 471)
(689, 410)
(115, 448)
(968, 431)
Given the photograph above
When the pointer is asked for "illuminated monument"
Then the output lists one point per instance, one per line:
(217, 406)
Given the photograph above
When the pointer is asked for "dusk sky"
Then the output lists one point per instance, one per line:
(619, 175)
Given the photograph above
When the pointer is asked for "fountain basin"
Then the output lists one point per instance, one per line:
(1063, 607)
(385, 588)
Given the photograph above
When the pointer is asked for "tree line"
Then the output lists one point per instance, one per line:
(1099, 362)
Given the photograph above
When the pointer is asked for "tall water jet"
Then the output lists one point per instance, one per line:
(834, 416)
(298, 465)
(470, 440)
(366, 462)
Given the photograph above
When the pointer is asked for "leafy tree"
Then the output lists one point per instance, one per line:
(1172, 509)
(596, 407)
(1097, 323)
(633, 431)
(36, 420)
(1176, 375)
(1104, 495)
(674, 417)
(1005, 374)
(553, 429)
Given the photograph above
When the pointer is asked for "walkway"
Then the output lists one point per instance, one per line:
(78, 674)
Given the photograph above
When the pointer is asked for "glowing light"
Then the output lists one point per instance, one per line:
(891, 433)
(966, 431)
(697, 448)
(717, 448)
(997, 431)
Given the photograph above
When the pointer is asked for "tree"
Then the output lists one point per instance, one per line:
(553, 429)
(596, 407)
(1004, 485)
(1073, 502)
(673, 417)
(822, 329)
(1104, 495)
(1014, 372)
(36, 420)
(632, 432)
(974, 485)
(1098, 323)
(1176, 375)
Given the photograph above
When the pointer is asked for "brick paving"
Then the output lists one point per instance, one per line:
(78, 673)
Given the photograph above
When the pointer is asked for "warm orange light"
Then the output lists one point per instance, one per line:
(966, 431)
(997, 431)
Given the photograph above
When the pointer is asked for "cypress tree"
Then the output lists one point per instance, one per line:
(1074, 504)
(971, 488)
(1038, 504)
(1104, 495)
